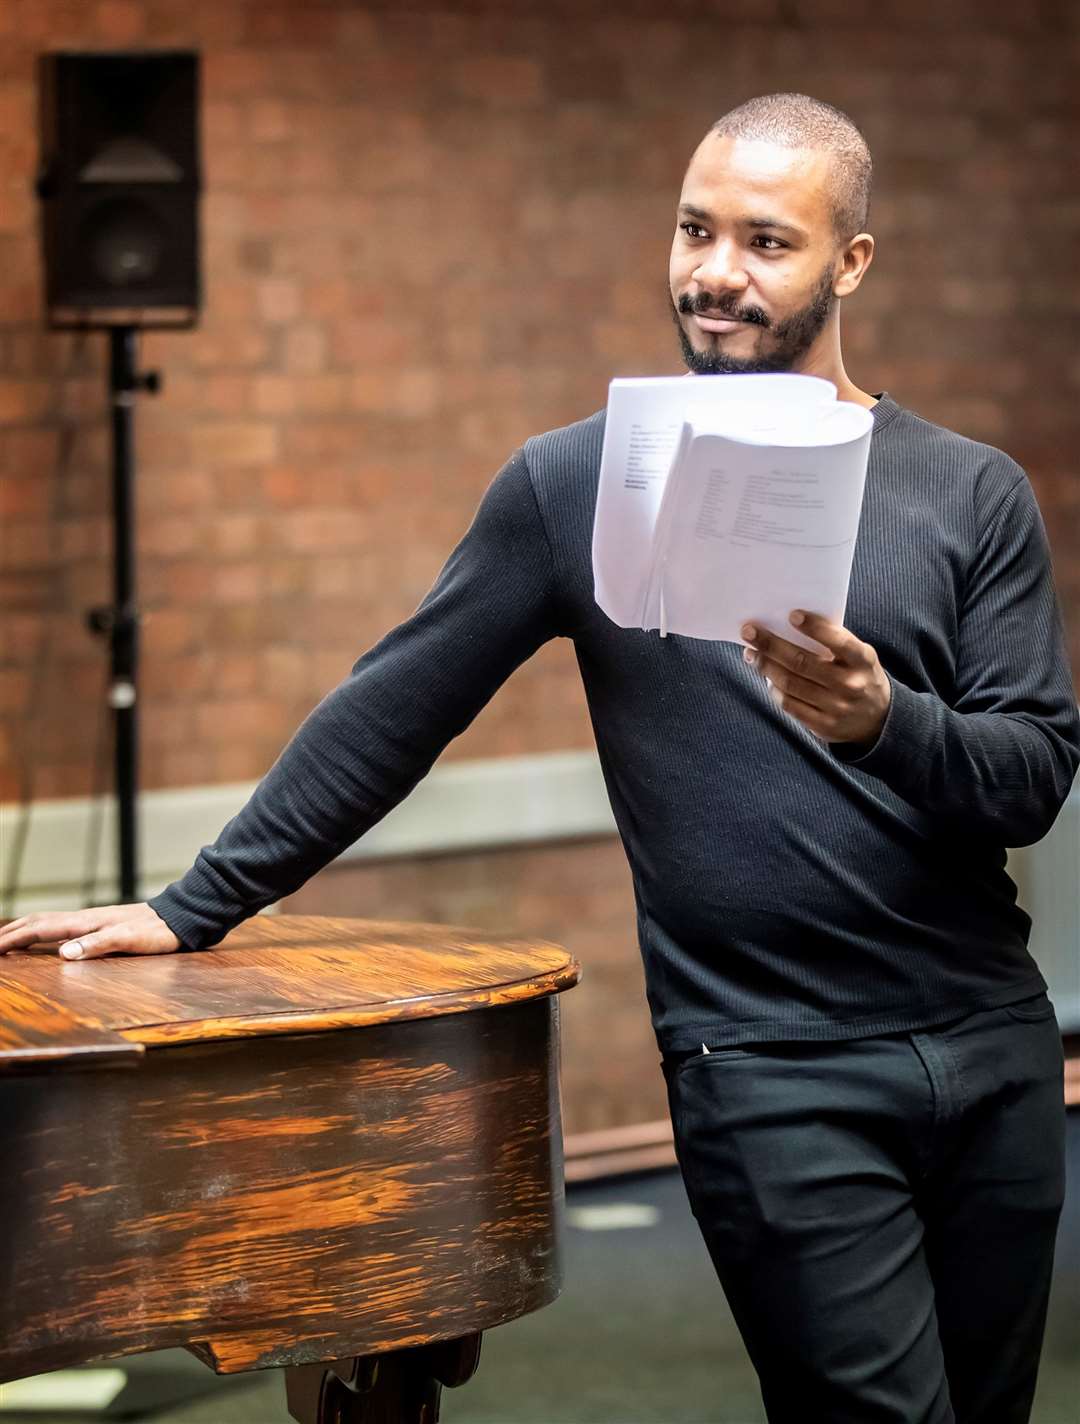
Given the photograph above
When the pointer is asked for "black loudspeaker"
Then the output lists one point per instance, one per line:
(119, 182)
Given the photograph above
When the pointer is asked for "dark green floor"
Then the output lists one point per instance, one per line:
(640, 1333)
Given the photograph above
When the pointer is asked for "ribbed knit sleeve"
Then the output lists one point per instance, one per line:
(999, 761)
(372, 738)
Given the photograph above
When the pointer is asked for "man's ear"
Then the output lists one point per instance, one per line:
(858, 255)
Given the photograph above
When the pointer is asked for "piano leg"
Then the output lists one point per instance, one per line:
(399, 1387)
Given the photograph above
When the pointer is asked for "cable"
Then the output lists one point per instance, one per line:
(43, 662)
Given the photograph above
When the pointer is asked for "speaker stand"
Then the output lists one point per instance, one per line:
(120, 621)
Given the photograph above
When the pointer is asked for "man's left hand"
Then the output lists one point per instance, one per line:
(841, 695)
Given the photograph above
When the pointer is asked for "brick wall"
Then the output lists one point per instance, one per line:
(431, 232)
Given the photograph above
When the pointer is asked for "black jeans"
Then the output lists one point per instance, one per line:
(882, 1213)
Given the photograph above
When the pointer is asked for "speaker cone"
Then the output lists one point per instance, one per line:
(125, 241)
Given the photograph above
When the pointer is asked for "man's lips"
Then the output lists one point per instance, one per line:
(718, 323)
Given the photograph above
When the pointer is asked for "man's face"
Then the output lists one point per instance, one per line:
(753, 243)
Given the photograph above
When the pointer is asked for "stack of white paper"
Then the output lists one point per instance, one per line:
(728, 499)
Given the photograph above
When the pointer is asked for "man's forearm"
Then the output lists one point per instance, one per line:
(1003, 776)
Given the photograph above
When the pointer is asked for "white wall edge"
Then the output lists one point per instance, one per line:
(460, 806)
(1047, 877)
(464, 806)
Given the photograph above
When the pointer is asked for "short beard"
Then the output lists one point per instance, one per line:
(791, 338)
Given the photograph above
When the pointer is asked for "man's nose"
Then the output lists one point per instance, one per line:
(721, 269)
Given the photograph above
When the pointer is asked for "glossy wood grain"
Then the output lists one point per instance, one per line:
(284, 1200)
(276, 974)
(338, 1139)
(36, 1032)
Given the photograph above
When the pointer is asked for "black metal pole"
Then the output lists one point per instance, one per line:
(124, 630)
(121, 621)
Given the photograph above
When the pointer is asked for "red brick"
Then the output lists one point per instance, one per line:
(322, 395)
(274, 395)
(315, 440)
(331, 666)
(239, 489)
(238, 581)
(243, 346)
(172, 630)
(291, 25)
(305, 349)
(158, 444)
(181, 766)
(86, 583)
(237, 72)
(288, 577)
(286, 486)
(269, 121)
(278, 300)
(382, 344)
(170, 676)
(119, 22)
(179, 491)
(497, 79)
(18, 108)
(25, 493)
(17, 206)
(168, 725)
(29, 544)
(11, 784)
(239, 675)
(232, 444)
(223, 121)
(226, 393)
(61, 778)
(243, 761)
(331, 297)
(371, 390)
(325, 530)
(185, 582)
(232, 534)
(336, 576)
(234, 719)
(15, 689)
(24, 400)
(283, 670)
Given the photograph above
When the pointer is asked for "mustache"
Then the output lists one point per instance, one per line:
(703, 303)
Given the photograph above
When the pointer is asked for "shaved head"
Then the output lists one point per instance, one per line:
(797, 121)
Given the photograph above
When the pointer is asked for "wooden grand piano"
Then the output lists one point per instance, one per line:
(327, 1145)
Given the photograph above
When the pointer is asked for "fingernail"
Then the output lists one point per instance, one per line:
(749, 631)
(748, 655)
(797, 618)
(73, 950)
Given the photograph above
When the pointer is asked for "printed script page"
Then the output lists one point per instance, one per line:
(645, 418)
(750, 531)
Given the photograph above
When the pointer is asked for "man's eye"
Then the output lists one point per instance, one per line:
(692, 230)
(766, 238)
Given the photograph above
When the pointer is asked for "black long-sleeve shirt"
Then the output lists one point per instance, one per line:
(786, 888)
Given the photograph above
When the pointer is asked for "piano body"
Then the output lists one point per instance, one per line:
(328, 1145)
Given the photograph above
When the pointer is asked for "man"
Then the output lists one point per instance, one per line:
(864, 1071)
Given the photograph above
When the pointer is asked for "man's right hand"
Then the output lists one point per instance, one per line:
(89, 934)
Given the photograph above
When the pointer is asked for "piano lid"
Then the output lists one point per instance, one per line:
(272, 974)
